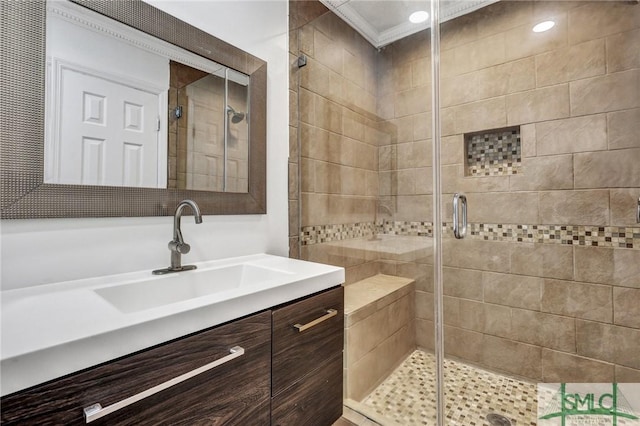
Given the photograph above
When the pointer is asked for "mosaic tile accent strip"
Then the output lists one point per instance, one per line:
(408, 395)
(326, 233)
(418, 229)
(627, 237)
(493, 153)
(577, 235)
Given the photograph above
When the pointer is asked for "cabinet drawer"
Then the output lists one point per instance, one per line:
(296, 353)
(236, 392)
(314, 400)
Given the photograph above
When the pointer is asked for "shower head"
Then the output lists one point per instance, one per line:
(236, 117)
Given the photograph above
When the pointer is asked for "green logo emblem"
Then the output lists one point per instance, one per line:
(576, 405)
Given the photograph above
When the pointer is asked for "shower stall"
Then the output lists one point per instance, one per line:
(533, 138)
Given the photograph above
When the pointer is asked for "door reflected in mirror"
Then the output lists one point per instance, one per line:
(127, 109)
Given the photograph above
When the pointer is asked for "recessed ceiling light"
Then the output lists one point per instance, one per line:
(419, 16)
(543, 26)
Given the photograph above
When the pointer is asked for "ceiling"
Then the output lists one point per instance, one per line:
(382, 22)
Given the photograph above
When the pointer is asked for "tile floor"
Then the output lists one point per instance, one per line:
(408, 395)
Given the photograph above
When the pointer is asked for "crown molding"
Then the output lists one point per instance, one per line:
(449, 10)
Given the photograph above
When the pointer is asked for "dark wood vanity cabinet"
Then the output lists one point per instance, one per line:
(284, 376)
(234, 393)
(308, 339)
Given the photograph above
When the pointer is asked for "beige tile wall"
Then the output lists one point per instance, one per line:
(300, 14)
(545, 312)
(404, 101)
(338, 129)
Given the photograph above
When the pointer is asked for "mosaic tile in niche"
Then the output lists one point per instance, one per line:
(494, 152)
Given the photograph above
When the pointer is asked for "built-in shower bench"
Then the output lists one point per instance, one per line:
(379, 330)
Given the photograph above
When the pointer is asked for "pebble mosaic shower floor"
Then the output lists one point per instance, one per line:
(408, 395)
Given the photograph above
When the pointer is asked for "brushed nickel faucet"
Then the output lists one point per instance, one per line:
(177, 246)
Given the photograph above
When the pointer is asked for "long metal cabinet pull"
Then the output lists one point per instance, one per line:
(638, 211)
(457, 232)
(330, 313)
(95, 411)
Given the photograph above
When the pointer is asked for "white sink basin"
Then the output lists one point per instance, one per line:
(177, 287)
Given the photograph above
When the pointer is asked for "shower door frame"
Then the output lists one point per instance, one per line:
(438, 285)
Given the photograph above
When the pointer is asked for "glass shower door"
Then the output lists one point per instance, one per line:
(539, 132)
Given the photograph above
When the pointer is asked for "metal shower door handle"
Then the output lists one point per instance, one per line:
(457, 232)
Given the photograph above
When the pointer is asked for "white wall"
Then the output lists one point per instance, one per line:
(41, 251)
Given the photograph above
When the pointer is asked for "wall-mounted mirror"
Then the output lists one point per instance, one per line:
(146, 111)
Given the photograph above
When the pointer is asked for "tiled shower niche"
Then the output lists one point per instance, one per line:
(495, 152)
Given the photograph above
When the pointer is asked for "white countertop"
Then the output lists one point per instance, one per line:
(52, 330)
